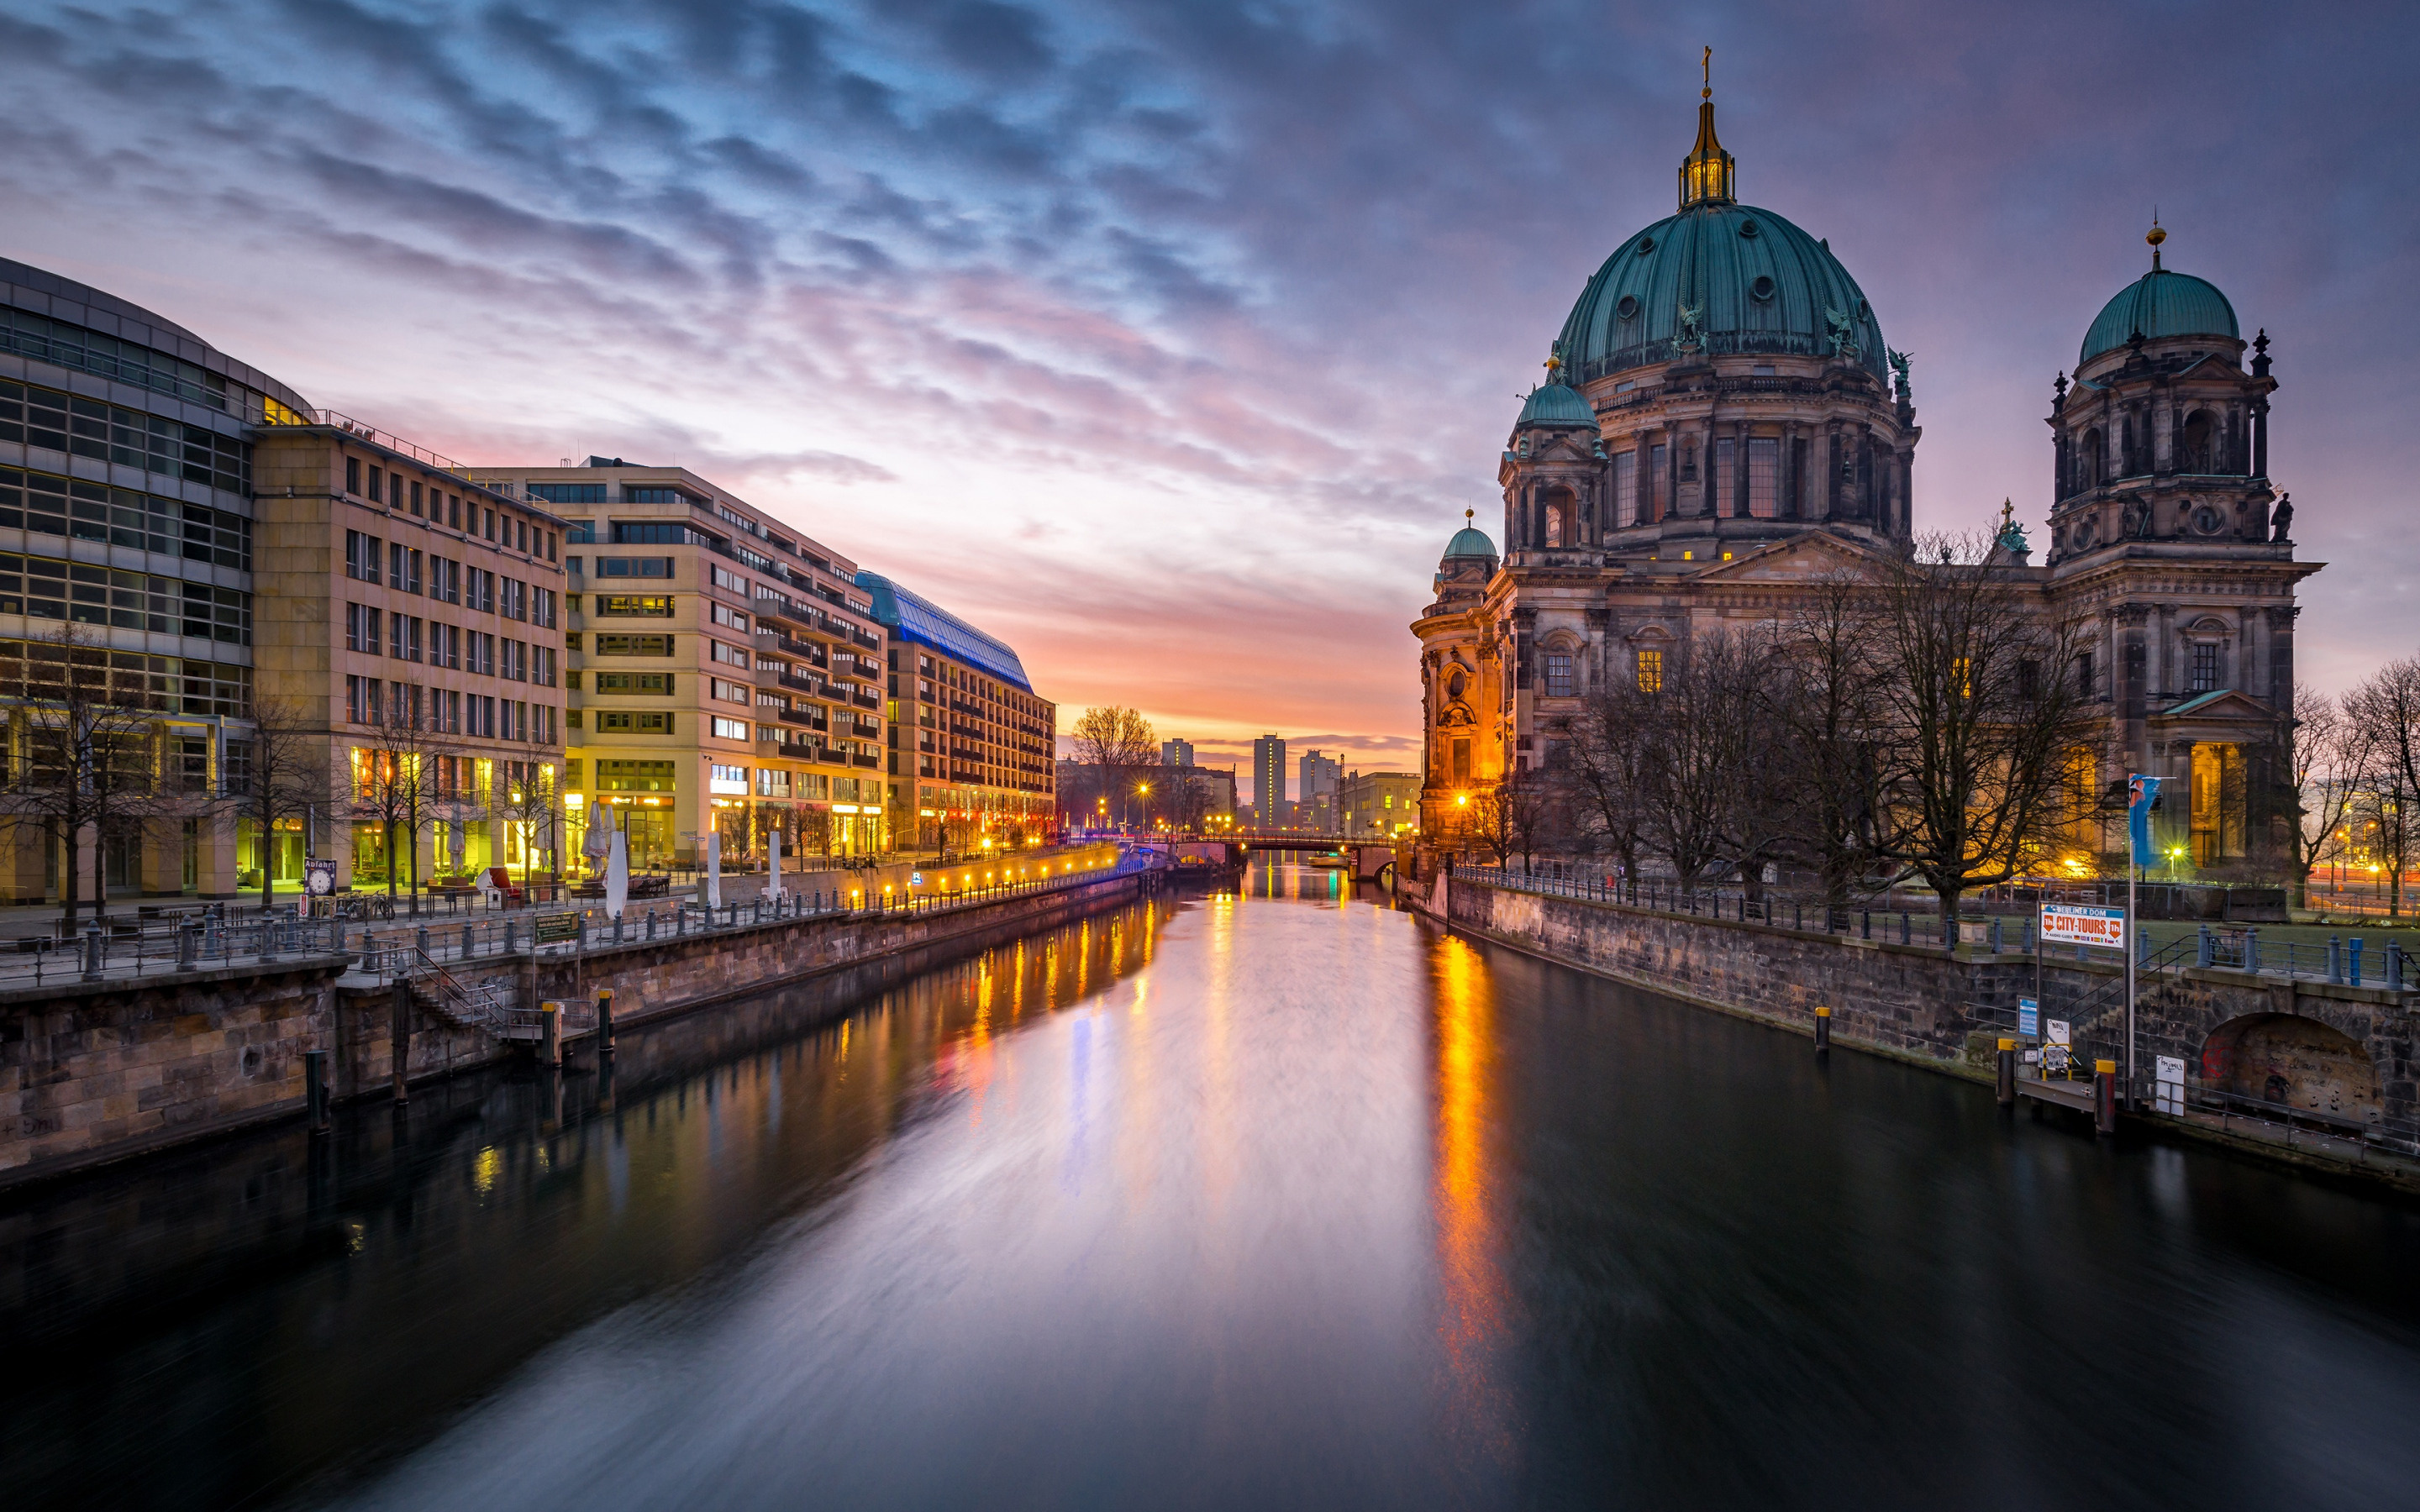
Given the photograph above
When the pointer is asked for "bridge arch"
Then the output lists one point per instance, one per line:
(2285, 1057)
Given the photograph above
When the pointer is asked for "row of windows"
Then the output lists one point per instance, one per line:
(659, 684)
(445, 711)
(427, 501)
(172, 685)
(413, 571)
(89, 351)
(45, 588)
(624, 566)
(410, 638)
(128, 437)
(49, 505)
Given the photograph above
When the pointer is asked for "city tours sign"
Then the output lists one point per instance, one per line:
(2081, 924)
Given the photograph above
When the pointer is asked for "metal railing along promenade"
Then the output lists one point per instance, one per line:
(2340, 960)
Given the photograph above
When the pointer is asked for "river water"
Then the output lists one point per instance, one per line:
(1279, 1200)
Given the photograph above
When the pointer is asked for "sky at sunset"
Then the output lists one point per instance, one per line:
(1169, 341)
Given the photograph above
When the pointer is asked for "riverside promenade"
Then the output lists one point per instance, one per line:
(173, 1040)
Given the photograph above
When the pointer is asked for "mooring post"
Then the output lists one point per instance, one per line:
(189, 941)
(2352, 965)
(315, 1089)
(2008, 1084)
(550, 1034)
(1822, 1031)
(604, 1024)
(2336, 962)
(2104, 1097)
(400, 1038)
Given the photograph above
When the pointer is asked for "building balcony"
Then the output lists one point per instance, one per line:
(799, 717)
(804, 684)
(860, 759)
(871, 642)
(866, 700)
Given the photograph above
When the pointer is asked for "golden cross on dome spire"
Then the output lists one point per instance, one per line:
(1706, 173)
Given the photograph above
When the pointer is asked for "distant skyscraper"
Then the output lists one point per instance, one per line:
(1268, 781)
(1176, 753)
(1315, 790)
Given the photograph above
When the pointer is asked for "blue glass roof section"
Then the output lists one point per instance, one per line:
(914, 618)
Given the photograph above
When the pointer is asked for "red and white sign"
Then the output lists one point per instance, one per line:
(2077, 924)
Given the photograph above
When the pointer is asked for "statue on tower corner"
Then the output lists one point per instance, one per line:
(1899, 363)
(2281, 519)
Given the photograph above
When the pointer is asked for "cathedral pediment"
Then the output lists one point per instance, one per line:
(2225, 704)
(1801, 559)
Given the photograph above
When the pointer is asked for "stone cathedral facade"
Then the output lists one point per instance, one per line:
(1722, 422)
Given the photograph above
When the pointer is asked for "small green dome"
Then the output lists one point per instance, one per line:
(2161, 304)
(1556, 405)
(1469, 543)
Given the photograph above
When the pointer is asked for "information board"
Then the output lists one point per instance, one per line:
(2081, 924)
(2029, 1018)
(2170, 1086)
(553, 929)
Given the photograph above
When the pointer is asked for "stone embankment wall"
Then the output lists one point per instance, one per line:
(91, 1071)
(2232, 1028)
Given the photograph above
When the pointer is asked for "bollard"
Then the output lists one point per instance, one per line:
(336, 932)
(581, 925)
(1996, 935)
(421, 938)
(550, 1034)
(1823, 1031)
(2252, 951)
(651, 923)
(1906, 929)
(605, 1021)
(268, 940)
(1866, 922)
(512, 933)
(2352, 962)
(92, 953)
(2007, 1084)
(188, 943)
(2104, 1097)
(618, 929)
(2393, 967)
(2201, 946)
(2336, 961)
(315, 1089)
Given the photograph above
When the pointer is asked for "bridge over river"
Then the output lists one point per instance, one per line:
(1276, 1196)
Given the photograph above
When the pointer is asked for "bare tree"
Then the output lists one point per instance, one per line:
(1702, 774)
(1609, 753)
(2387, 708)
(2335, 760)
(1113, 745)
(87, 774)
(276, 775)
(1826, 714)
(1530, 809)
(1980, 723)
(394, 785)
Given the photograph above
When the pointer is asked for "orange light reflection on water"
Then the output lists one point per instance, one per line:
(1473, 1321)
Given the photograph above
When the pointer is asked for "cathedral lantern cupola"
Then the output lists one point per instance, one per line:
(1707, 172)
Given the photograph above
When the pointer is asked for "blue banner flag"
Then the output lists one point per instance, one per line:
(2141, 792)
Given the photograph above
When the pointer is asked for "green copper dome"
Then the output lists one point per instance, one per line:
(1469, 543)
(1751, 281)
(2161, 304)
(1556, 405)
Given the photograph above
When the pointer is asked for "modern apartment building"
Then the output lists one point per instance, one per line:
(412, 614)
(1176, 753)
(1315, 792)
(724, 673)
(237, 567)
(971, 758)
(1379, 805)
(1269, 782)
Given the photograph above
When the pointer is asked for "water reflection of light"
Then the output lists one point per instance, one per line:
(1472, 1324)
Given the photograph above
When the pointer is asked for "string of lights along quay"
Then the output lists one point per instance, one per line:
(1275, 1198)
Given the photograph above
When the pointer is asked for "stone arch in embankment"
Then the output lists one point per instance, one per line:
(2285, 1057)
